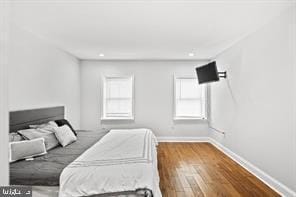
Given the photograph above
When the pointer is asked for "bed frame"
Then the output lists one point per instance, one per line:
(22, 119)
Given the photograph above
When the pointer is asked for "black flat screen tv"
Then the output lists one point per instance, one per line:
(207, 73)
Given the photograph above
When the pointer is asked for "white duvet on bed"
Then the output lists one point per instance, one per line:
(123, 160)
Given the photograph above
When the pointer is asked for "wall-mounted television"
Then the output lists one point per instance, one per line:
(207, 73)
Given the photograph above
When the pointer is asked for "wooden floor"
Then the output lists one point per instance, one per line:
(199, 169)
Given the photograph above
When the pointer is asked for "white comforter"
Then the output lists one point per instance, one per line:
(123, 160)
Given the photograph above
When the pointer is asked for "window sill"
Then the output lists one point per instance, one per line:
(189, 118)
(117, 118)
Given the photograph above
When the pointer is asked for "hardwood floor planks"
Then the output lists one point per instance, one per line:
(200, 169)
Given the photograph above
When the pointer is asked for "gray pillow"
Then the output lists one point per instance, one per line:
(50, 125)
(26, 149)
(48, 135)
(30, 134)
(15, 137)
(51, 141)
(65, 135)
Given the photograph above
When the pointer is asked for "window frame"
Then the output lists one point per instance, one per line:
(104, 100)
(205, 89)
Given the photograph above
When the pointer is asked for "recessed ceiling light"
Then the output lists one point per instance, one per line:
(191, 54)
(101, 55)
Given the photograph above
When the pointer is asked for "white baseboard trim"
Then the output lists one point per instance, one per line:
(282, 189)
(183, 139)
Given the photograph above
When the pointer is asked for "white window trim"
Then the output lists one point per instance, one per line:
(103, 94)
(174, 103)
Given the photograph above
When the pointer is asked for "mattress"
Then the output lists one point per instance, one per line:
(45, 170)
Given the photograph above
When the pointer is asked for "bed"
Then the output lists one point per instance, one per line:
(52, 169)
(45, 170)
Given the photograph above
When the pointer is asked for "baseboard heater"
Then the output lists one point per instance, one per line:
(217, 130)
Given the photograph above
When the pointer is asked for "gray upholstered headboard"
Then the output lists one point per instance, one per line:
(22, 119)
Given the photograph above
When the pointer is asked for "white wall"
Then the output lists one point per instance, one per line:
(254, 105)
(292, 53)
(40, 75)
(153, 96)
(4, 43)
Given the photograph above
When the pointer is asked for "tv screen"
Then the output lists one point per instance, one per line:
(207, 73)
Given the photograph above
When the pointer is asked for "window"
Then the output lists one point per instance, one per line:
(190, 99)
(118, 98)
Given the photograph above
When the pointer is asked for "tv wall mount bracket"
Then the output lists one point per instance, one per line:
(222, 74)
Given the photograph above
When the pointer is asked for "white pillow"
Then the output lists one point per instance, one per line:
(50, 139)
(50, 125)
(65, 135)
(26, 149)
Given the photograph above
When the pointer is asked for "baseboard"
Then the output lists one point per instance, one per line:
(183, 139)
(267, 179)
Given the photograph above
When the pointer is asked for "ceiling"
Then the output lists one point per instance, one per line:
(163, 29)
